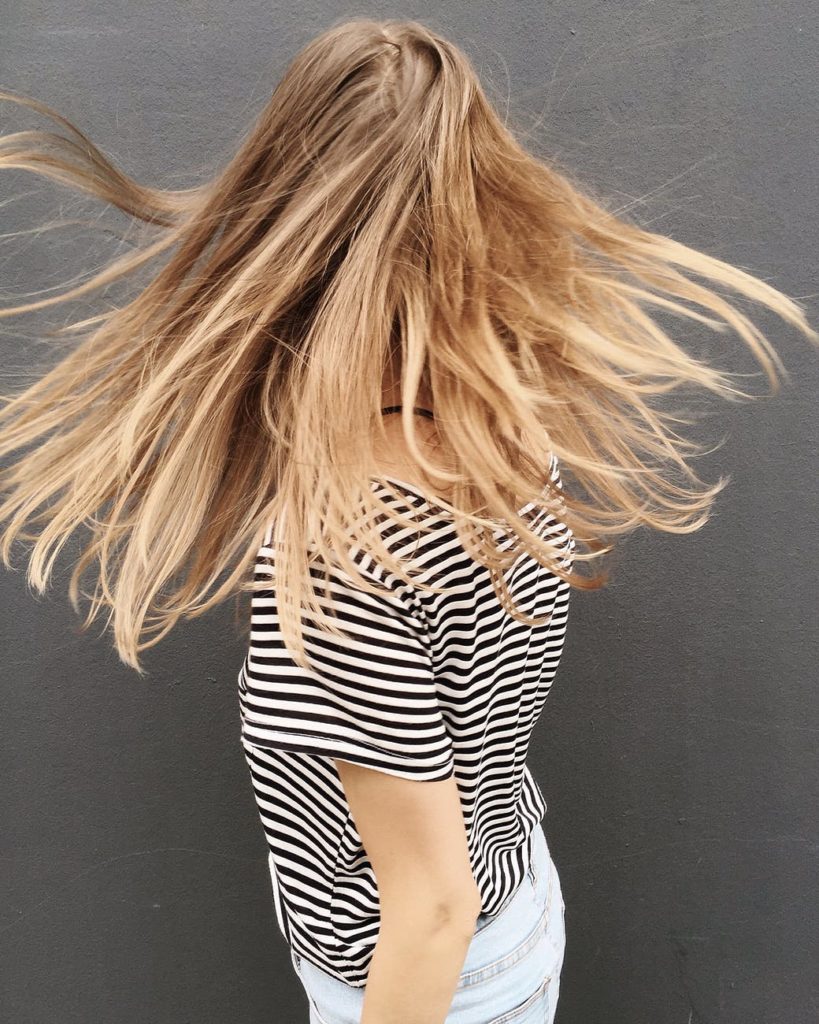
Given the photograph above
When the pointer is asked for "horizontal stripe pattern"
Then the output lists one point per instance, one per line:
(422, 686)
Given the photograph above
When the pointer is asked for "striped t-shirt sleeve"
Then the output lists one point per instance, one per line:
(369, 697)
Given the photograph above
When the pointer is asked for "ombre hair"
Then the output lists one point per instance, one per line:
(378, 212)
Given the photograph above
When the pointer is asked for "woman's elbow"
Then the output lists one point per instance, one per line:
(431, 912)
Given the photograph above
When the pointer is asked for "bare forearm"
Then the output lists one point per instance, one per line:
(414, 971)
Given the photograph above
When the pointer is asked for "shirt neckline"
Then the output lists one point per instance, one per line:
(415, 489)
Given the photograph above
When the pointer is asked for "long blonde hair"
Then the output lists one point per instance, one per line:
(378, 209)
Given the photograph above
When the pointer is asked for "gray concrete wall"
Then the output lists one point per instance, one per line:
(677, 750)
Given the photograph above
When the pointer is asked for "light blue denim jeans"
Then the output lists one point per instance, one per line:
(511, 974)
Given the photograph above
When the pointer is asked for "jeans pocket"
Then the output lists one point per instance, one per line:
(534, 1009)
(506, 959)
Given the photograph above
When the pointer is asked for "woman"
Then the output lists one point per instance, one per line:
(380, 339)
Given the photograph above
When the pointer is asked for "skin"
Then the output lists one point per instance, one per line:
(415, 838)
(392, 456)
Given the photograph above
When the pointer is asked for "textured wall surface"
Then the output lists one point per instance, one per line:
(677, 750)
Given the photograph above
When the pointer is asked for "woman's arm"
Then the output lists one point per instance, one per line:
(415, 838)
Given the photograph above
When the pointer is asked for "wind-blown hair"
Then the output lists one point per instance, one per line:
(378, 209)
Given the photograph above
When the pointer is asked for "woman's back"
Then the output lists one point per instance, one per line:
(425, 685)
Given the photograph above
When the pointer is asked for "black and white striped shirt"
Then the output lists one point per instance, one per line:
(424, 686)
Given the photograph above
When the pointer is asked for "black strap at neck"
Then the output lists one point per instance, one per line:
(398, 408)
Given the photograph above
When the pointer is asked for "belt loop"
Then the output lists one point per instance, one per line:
(531, 870)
